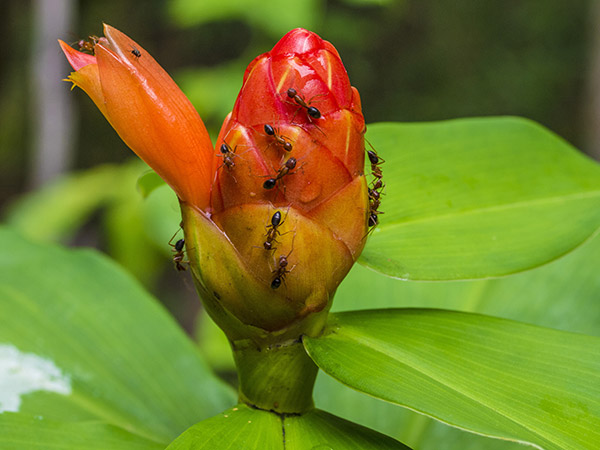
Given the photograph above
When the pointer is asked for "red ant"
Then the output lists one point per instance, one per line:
(286, 145)
(88, 45)
(178, 254)
(290, 164)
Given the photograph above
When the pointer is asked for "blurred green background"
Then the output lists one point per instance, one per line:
(411, 61)
(67, 177)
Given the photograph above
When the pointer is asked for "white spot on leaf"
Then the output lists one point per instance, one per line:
(23, 373)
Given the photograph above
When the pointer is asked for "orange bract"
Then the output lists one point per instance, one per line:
(149, 111)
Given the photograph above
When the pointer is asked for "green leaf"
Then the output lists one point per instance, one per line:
(319, 430)
(246, 428)
(563, 294)
(491, 376)
(88, 343)
(20, 431)
(475, 198)
(240, 427)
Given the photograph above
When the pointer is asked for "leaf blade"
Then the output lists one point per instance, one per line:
(493, 398)
(18, 431)
(238, 427)
(129, 364)
(321, 430)
(463, 197)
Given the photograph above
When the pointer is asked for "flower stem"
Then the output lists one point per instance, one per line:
(277, 378)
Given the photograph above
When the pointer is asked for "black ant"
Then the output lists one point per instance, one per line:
(378, 184)
(374, 198)
(286, 145)
(273, 231)
(290, 164)
(227, 154)
(135, 52)
(310, 110)
(281, 271)
(178, 254)
(377, 187)
(376, 162)
(373, 219)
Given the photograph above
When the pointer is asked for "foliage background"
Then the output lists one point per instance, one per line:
(411, 61)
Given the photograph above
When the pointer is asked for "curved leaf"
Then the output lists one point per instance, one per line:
(246, 428)
(318, 430)
(103, 347)
(237, 428)
(562, 295)
(491, 376)
(477, 198)
(20, 431)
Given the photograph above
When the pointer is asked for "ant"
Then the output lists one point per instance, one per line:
(273, 231)
(281, 270)
(378, 185)
(373, 219)
(376, 162)
(227, 154)
(310, 110)
(374, 198)
(88, 45)
(286, 145)
(290, 164)
(178, 252)
(135, 52)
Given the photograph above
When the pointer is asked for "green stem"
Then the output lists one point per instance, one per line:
(277, 378)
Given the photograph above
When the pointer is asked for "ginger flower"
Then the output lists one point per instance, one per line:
(276, 213)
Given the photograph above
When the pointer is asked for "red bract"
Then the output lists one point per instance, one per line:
(276, 215)
(326, 183)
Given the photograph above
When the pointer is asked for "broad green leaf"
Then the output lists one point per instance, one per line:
(246, 428)
(563, 295)
(491, 376)
(240, 427)
(318, 430)
(91, 344)
(477, 198)
(20, 431)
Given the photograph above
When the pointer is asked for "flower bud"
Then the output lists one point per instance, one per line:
(277, 213)
(291, 149)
